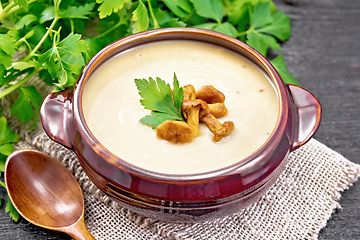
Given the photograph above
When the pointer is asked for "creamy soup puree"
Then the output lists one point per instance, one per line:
(112, 108)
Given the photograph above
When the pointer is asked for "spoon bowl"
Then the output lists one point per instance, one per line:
(45, 193)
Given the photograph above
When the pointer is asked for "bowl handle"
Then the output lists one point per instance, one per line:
(57, 117)
(308, 111)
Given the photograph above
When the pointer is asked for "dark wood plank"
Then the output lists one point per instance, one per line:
(324, 55)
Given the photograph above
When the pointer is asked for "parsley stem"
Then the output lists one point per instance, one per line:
(19, 83)
(72, 25)
(109, 30)
(41, 41)
(4, 12)
(242, 33)
(14, 9)
(156, 24)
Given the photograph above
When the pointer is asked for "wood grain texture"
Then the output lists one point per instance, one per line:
(323, 54)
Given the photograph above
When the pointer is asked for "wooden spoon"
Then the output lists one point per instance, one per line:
(45, 193)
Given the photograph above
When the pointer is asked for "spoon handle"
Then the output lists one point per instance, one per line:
(78, 231)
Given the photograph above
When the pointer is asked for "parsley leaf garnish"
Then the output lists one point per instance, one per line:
(157, 96)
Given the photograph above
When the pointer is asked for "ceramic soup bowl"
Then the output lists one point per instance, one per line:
(181, 196)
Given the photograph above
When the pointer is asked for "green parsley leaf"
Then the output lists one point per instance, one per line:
(64, 60)
(140, 18)
(11, 209)
(166, 19)
(94, 46)
(226, 28)
(280, 66)
(48, 14)
(29, 34)
(180, 8)
(20, 65)
(5, 150)
(2, 162)
(26, 20)
(29, 101)
(208, 26)
(239, 14)
(107, 7)
(174, 22)
(157, 96)
(78, 12)
(272, 4)
(22, 3)
(280, 27)
(261, 15)
(5, 59)
(7, 44)
(178, 94)
(7, 137)
(46, 77)
(162, 16)
(212, 9)
(2, 74)
(235, 9)
(265, 27)
(262, 42)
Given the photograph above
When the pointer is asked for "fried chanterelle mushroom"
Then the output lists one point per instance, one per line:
(189, 92)
(190, 110)
(175, 131)
(218, 109)
(219, 130)
(210, 94)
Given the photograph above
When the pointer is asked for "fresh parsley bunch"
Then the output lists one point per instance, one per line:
(55, 39)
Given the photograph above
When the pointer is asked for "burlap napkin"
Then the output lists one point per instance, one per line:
(297, 206)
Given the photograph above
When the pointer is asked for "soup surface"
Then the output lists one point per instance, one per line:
(112, 108)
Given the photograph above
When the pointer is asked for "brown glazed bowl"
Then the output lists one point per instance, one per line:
(183, 198)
